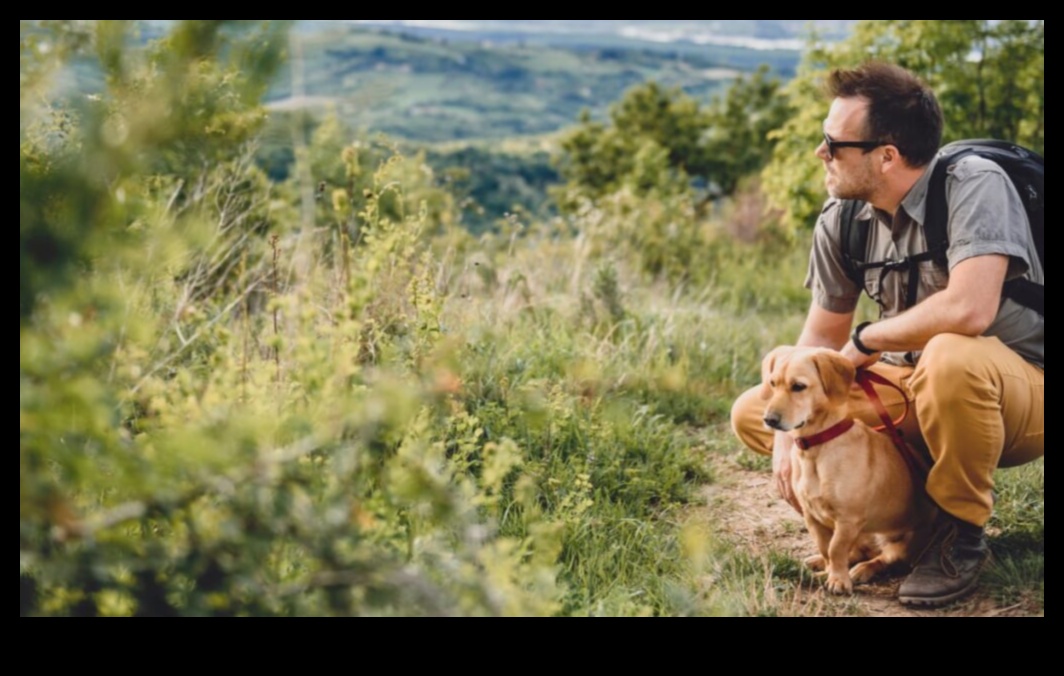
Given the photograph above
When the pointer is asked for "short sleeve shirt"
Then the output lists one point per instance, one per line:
(986, 217)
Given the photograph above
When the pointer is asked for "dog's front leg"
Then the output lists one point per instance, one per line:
(846, 534)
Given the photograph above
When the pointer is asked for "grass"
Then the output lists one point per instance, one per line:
(609, 382)
(616, 390)
(1016, 576)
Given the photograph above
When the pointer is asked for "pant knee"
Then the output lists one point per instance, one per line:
(950, 360)
(747, 421)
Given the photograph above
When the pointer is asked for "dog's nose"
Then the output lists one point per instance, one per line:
(772, 421)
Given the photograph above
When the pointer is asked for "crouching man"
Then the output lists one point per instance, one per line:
(970, 357)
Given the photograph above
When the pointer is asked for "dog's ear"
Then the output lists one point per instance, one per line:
(768, 365)
(837, 374)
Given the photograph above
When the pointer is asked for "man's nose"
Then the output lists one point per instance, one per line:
(822, 152)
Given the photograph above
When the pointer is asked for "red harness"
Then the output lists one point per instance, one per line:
(918, 465)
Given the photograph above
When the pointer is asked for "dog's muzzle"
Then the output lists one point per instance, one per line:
(774, 422)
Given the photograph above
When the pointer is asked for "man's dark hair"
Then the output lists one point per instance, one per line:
(902, 110)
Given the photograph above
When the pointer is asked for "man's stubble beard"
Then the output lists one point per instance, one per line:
(860, 187)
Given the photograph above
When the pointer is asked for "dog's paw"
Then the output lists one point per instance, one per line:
(840, 586)
(863, 573)
(816, 563)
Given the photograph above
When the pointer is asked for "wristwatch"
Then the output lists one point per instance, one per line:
(856, 338)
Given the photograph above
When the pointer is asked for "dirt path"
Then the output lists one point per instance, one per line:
(744, 510)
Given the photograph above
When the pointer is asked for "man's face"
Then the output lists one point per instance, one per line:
(851, 173)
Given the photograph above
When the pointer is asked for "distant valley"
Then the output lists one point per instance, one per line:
(752, 34)
(488, 98)
(440, 81)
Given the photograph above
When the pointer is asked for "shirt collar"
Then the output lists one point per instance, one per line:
(915, 203)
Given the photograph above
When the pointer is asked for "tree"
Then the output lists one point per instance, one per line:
(598, 159)
(738, 141)
(716, 145)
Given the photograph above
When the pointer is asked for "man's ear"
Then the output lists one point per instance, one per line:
(768, 365)
(837, 374)
(891, 159)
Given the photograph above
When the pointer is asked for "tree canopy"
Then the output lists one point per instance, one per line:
(659, 139)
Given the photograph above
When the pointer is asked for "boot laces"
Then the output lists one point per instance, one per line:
(946, 553)
(945, 550)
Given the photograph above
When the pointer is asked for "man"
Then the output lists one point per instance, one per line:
(972, 361)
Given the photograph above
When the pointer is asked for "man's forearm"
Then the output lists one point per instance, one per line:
(967, 307)
(812, 339)
(825, 329)
(914, 329)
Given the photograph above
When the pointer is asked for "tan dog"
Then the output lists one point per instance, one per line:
(855, 489)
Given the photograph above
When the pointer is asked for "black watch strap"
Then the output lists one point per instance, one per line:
(856, 338)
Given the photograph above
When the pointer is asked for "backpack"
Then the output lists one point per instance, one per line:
(1026, 168)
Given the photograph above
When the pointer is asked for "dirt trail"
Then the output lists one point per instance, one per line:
(747, 513)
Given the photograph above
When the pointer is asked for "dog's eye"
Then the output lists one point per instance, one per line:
(772, 384)
(798, 387)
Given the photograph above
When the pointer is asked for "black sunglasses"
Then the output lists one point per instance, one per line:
(834, 145)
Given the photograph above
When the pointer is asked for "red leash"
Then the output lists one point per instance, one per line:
(918, 465)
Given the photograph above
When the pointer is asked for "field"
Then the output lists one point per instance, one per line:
(322, 394)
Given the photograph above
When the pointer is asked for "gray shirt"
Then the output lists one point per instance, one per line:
(986, 217)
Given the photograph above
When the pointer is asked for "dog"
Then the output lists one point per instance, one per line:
(859, 500)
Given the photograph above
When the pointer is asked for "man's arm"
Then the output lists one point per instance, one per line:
(967, 307)
(826, 329)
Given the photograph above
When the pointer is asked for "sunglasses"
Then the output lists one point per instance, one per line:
(834, 145)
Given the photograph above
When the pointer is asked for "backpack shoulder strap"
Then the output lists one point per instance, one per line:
(936, 227)
(854, 241)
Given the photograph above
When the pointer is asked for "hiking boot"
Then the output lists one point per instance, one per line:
(949, 568)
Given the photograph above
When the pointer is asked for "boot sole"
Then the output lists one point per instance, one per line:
(942, 601)
(938, 602)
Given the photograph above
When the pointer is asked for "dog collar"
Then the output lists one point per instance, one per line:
(830, 434)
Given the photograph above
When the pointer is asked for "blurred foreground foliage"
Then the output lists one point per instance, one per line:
(220, 411)
(322, 396)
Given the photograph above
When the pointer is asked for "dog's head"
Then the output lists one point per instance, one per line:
(802, 384)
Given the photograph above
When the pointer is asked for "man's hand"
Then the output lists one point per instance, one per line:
(860, 360)
(783, 472)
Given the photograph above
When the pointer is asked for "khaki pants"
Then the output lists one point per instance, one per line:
(978, 406)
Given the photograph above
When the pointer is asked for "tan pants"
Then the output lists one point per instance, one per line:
(978, 406)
